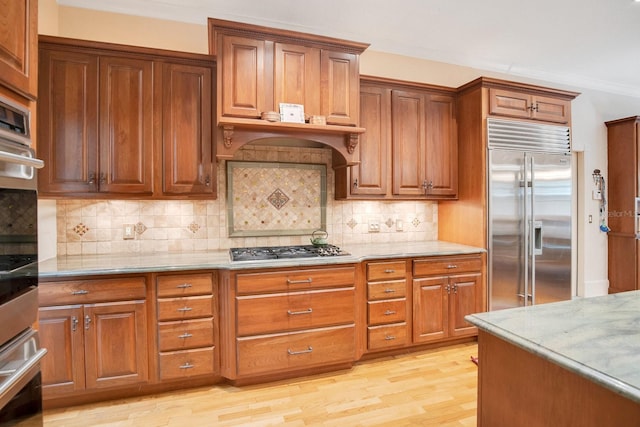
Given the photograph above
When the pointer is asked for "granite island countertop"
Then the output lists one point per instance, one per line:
(81, 265)
(597, 338)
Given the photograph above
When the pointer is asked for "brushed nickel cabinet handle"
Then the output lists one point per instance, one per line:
(80, 292)
(450, 266)
(187, 365)
(295, 313)
(293, 353)
(184, 309)
(74, 323)
(389, 270)
(389, 312)
(297, 282)
(87, 321)
(185, 335)
(389, 337)
(389, 291)
(184, 286)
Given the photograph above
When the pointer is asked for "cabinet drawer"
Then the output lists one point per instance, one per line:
(391, 311)
(89, 291)
(296, 310)
(185, 308)
(187, 363)
(387, 336)
(386, 290)
(183, 334)
(185, 285)
(386, 270)
(446, 266)
(293, 280)
(272, 353)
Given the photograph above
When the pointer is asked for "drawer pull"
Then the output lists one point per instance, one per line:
(389, 312)
(452, 266)
(187, 366)
(296, 282)
(389, 337)
(184, 309)
(293, 353)
(389, 270)
(184, 286)
(185, 335)
(389, 291)
(295, 313)
(80, 292)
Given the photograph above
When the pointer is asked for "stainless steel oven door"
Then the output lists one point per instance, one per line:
(20, 385)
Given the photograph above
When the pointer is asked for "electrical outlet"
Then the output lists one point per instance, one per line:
(128, 232)
(597, 195)
(399, 225)
(374, 226)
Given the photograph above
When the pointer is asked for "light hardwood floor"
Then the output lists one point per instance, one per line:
(428, 388)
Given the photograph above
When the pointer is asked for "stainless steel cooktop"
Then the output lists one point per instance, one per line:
(285, 252)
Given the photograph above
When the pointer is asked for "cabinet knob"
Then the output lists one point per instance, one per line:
(92, 179)
(448, 289)
(355, 183)
(207, 181)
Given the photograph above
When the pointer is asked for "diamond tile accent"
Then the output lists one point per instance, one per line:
(278, 198)
(415, 222)
(193, 227)
(140, 228)
(80, 229)
(352, 223)
(389, 223)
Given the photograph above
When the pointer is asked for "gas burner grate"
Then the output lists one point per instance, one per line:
(284, 252)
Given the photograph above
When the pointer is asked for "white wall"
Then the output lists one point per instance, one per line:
(590, 110)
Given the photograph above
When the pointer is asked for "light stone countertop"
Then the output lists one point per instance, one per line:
(65, 266)
(597, 338)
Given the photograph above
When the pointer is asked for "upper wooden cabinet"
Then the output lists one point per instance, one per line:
(260, 68)
(524, 105)
(409, 149)
(19, 49)
(124, 121)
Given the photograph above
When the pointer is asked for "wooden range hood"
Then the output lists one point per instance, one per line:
(261, 67)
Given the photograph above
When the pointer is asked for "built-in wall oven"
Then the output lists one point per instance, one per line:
(20, 353)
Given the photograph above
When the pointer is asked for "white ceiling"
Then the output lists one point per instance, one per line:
(584, 43)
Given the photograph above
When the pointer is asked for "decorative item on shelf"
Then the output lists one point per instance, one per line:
(270, 116)
(599, 194)
(291, 113)
(317, 120)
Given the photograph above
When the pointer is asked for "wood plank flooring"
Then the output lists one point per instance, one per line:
(428, 388)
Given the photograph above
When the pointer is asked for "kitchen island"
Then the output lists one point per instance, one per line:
(571, 363)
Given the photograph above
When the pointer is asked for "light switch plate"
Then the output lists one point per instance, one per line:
(374, 226)
(128, 232)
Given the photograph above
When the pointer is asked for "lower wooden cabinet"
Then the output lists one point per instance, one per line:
(93, 343)
(280, 321)
(445, 290)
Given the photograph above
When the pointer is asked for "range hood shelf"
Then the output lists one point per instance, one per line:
(237, 132)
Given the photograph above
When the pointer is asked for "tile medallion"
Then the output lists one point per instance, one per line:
(275, 199)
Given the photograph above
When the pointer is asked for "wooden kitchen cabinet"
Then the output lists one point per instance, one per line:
(279, 322)
(187, 325)
(524, 105)
(95, 332)
(623, 145)
(387, 304)
(445, 290)
(409, 149)
(120, 121)
(19, 53)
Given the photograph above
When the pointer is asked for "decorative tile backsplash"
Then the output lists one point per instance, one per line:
(97, 226)
(268, 198)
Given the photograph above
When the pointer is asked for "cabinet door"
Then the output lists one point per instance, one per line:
(126, 125)
(68, 122)
(442, 147)
(115, 344)
(18, 56)
(463, 300)
(551, 109)
(509, 103)
(409, 143)
(340, 87)
(374, 149)
(242, 77)
(430, 317)
(297, 76)
(186, 138)
(61, 333)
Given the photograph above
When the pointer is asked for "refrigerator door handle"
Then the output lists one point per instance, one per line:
(537, 238)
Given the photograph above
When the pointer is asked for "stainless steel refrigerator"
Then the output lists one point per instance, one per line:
(529, 213)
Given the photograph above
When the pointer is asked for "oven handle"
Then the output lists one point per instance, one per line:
(21, 160)
(20, 372)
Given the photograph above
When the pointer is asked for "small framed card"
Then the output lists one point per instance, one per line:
(291, 113)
